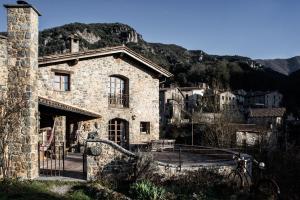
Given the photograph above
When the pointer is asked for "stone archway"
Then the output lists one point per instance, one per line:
(118, 131)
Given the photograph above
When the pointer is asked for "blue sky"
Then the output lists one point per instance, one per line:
(253, 28)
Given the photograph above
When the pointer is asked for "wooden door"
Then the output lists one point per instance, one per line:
(118, 132)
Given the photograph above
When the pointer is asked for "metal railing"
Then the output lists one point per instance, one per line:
(51, 159)
(119, 100)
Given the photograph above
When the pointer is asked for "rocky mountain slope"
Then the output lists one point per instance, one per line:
(189, 66)
(284, 66)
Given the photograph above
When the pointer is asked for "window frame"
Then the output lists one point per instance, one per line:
(62, 81)
(118, 94)
(147, 127)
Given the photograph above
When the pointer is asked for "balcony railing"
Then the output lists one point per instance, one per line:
(119, 100)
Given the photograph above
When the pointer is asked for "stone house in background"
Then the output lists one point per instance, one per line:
(113, 92)
(227, 101)
(259, 99)
(171, 105)
(253, 134)
(193, 96)
(266, 116)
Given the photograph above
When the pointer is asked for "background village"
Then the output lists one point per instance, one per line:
(223, 118)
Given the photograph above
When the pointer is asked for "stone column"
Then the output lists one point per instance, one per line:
(60, 133)
(3, 62)
(22, 48)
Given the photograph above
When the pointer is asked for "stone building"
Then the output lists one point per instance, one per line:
(266, 116)
(253, 134)
(227, 101)
(264, 127)
(171, 106)
(193, 95)
(113, 92)
(259, 99)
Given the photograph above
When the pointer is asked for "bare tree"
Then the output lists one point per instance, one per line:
(218, 129)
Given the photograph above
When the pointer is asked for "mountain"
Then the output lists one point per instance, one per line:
(284, 66)
(190, 67)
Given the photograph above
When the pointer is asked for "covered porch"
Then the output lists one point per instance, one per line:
(62, 133)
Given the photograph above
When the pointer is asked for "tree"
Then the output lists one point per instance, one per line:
(218, 128)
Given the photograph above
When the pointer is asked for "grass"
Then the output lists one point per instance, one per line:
(26, 190)
(39, 190)
(65, 190)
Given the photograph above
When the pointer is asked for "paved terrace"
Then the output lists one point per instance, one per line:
(186, 155)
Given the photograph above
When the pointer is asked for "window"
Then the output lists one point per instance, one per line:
(145, 127)
(118, 92)
(61, 82)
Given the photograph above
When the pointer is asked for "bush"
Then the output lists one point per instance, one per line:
(145, 190)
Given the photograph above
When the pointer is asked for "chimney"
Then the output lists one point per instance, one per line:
(22, 62)
(74, 43)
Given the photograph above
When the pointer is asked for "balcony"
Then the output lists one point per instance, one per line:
(118, 101)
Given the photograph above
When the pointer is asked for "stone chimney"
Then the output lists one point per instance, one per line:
(74, 43)
(22, 57)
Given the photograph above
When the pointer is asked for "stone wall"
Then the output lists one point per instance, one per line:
(90, 88)
(22, 48)
(3, 61)
(173, 170)
(105, 159)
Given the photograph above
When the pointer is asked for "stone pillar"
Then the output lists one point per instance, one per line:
(22, 48)
(3, 62)
(60, 132)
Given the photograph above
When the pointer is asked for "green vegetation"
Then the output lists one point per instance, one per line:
(145, 190)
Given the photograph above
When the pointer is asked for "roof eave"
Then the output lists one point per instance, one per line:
(114, 50)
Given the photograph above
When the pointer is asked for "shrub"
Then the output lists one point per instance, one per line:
(145, 190)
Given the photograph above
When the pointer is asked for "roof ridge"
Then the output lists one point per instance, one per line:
(104, 51)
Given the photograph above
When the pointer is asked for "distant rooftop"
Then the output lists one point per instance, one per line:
(267, 112)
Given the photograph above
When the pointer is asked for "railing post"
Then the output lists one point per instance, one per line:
(63, 157)
(39, 165)
(179, 159)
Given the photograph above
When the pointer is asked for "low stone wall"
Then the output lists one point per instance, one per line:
(169, 170)
(106, 159)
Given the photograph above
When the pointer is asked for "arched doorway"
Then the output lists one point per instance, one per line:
(118, 132)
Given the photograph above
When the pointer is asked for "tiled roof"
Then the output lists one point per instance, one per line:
(266, 112)
(102, 52)
(250, 128)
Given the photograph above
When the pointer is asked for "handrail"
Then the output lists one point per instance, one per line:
(112, 144)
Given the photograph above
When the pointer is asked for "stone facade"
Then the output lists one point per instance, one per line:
(3, 61)
(22, 48)
(27, 80)
(227, 101)
(89, 89)
(171, 102)
(105, 159)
